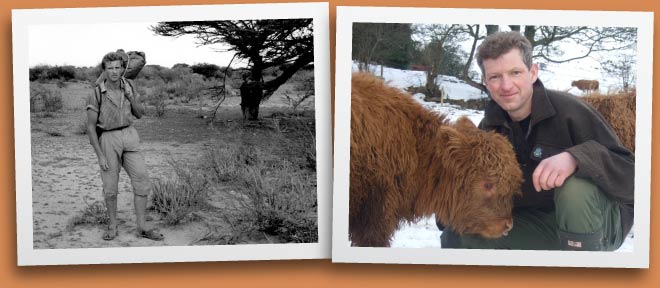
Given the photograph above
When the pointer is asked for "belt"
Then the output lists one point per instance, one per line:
(113, 129)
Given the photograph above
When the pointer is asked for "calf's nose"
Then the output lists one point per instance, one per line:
(509, 226)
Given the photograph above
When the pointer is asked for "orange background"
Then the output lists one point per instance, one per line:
(307, 273)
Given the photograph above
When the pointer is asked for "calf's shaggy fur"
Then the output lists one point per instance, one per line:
(408, 162)
(619, 111)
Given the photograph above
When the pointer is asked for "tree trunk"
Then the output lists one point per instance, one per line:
(431, 88)
(475, 38)
(251, 94)
(530, 31)
(491, 29)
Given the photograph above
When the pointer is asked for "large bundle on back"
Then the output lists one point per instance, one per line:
(135, 61)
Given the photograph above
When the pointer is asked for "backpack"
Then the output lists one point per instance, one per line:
(135, 62)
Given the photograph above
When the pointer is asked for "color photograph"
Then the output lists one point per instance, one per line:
(472, 142)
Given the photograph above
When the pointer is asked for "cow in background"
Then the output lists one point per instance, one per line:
(587, 86)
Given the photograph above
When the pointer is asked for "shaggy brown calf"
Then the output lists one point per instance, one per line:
(408, 162)
(586, 85)
(619, 111)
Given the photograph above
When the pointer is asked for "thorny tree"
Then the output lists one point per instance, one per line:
(287, 44)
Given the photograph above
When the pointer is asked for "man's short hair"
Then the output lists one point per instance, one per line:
(500, 43)
(113, 56)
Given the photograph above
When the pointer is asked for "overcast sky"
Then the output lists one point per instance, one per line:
(85, 45)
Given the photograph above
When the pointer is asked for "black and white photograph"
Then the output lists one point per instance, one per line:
(172, 133)
(508, 140)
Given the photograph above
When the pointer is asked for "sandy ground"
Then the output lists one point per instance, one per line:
(66, 177)
(65, 172)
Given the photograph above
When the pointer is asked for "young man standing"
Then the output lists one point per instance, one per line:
(578, 188)
(112, 107)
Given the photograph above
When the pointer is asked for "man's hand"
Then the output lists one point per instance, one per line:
(129, 96)
(553, 171)
(103, 163)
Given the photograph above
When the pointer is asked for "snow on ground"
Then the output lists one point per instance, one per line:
(560, 76)
(455, 88)
(425, 233)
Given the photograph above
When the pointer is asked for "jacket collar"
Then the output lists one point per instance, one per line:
(542, 108)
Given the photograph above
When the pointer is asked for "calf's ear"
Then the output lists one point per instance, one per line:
(453, 140)
(449, 133)
(464, 124)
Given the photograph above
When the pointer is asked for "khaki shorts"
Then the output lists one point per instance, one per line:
(121, 149)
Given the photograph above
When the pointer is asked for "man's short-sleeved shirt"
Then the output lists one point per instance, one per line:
(114, 114)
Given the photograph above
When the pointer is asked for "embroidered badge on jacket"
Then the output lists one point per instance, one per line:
(538, 152)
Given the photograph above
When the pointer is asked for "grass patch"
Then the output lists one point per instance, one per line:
(44, 98)
(304, 141)
(157, 100)
(176, 199)
(93, 214)
(281, 202)
(276, 196)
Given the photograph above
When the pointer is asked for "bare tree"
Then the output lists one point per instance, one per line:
(549, 42)
(366, 39)
(473, 32)
(437, 39)
(623, 68)
(381, 43)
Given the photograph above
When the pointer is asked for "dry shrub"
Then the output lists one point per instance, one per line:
(282, 203)
(222, 164)
(301, 90)
(44, 99)
(93, 214)
(276, 197)
(176, 199)
(304, 141)
(297, 133)
(190, 86)
(157, 99)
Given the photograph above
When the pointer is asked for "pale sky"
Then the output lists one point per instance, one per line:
(85, 45)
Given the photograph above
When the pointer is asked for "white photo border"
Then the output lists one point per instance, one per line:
(341, 249)
(22, 19)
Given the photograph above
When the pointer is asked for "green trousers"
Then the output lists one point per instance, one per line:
(583, 219)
